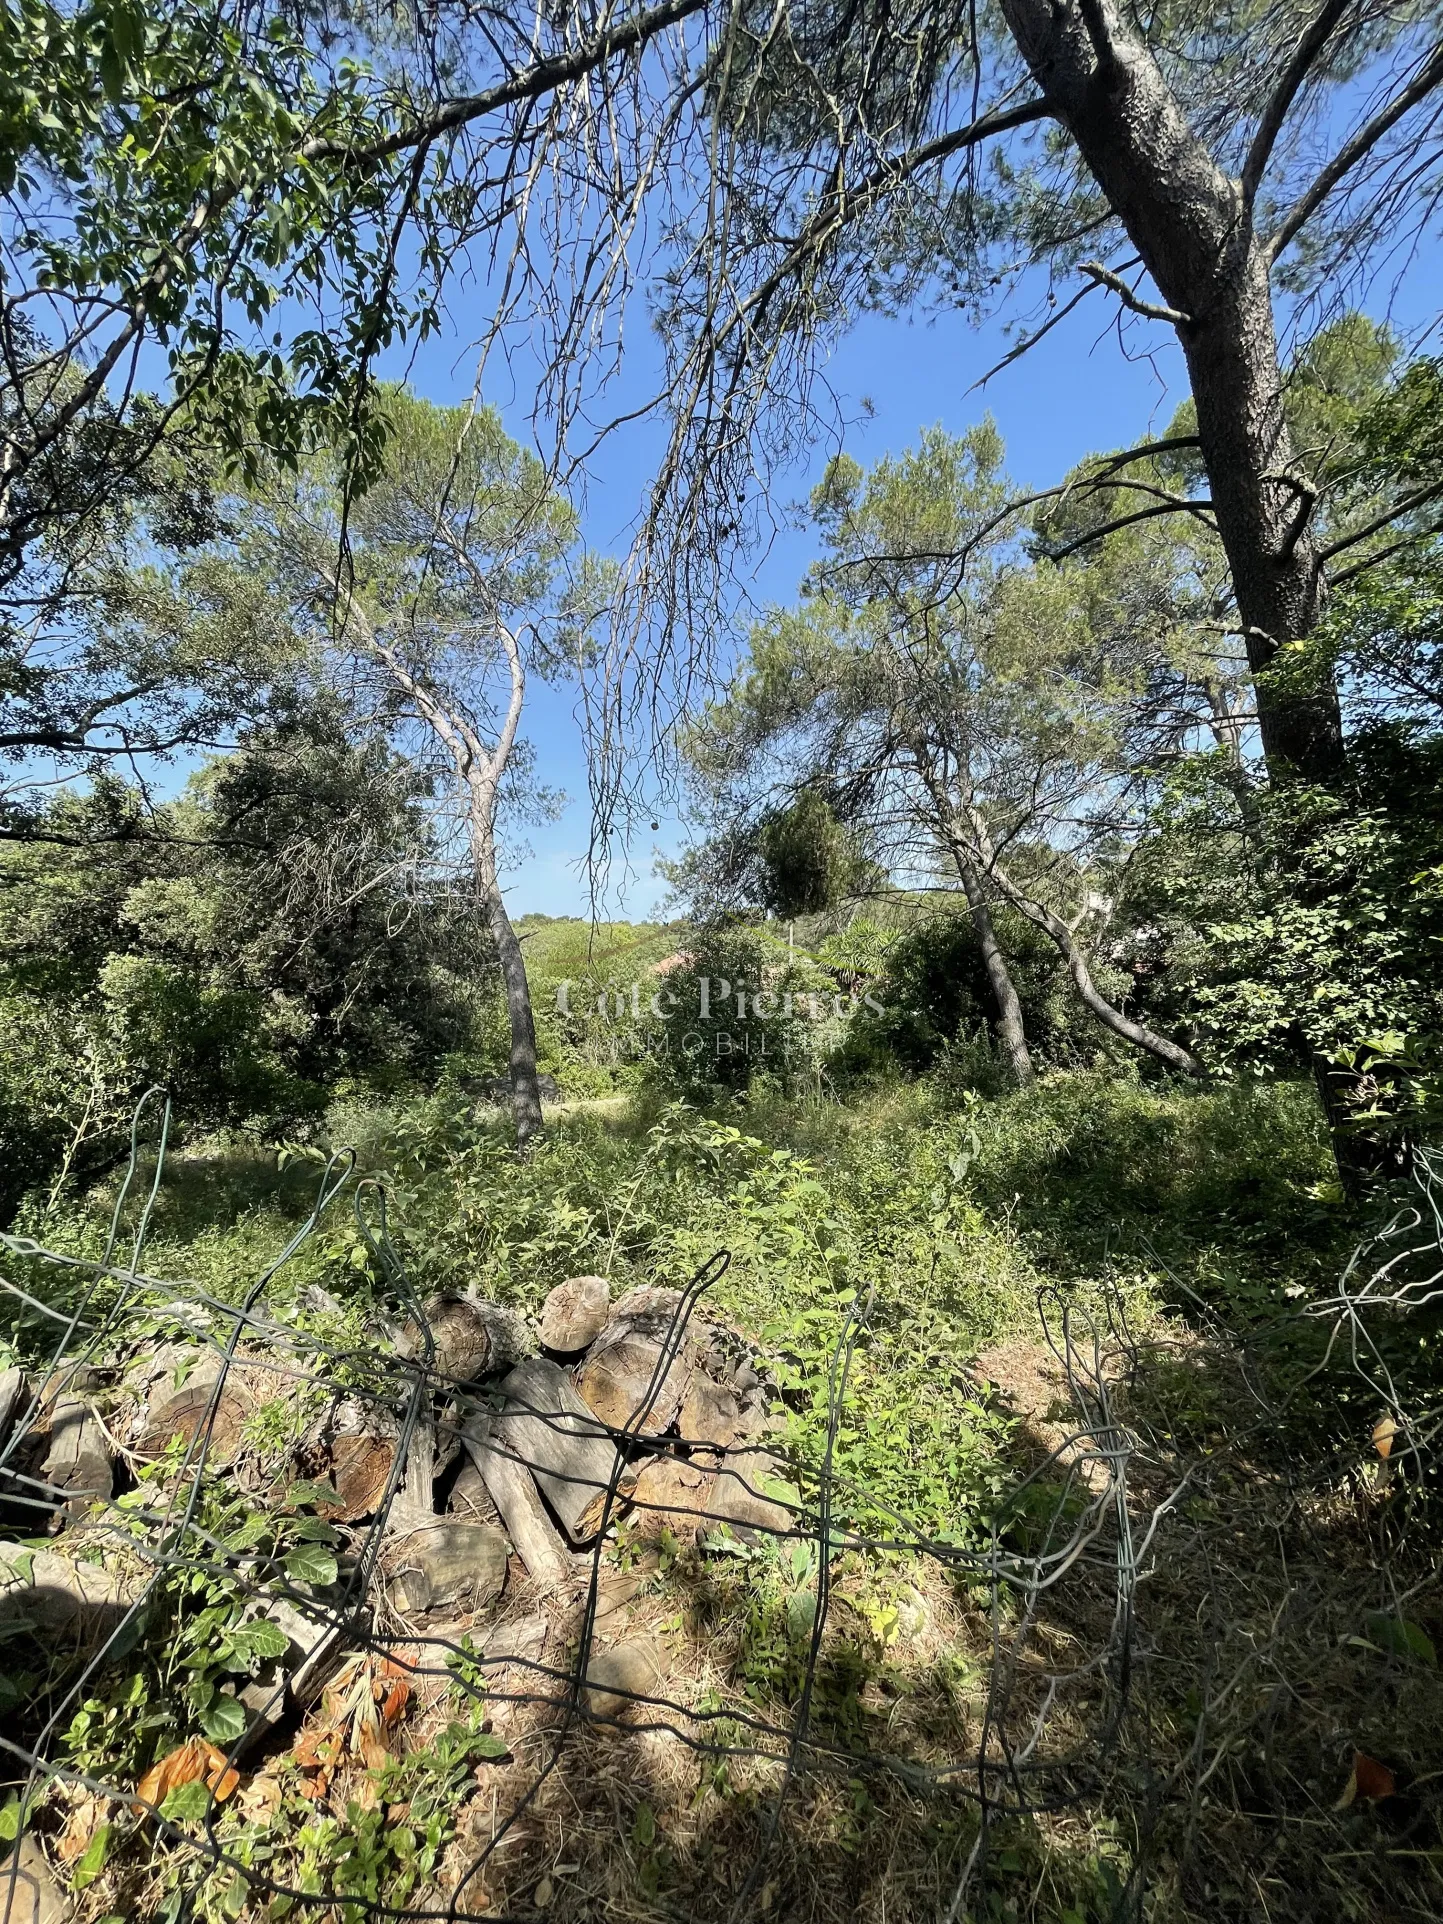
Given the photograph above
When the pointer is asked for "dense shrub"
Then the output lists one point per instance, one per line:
(741, 1006)
(936, 1003)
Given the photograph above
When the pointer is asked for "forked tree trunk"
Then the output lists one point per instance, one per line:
(1010, 1028)
(1137, 1033)
(981, 853)
(479, 769)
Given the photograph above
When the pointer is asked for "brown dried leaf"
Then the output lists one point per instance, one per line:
(220, 1778)
(1384, 1432)
(184, 1765)
(262, 1798)
(84, 1820)
(1368, 1780)
(1374, 1780)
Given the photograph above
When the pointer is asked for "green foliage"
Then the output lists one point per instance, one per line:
(178, 136)
(741, 1006)
(201, 1636)
(810, 860)
(247, 950)
(935, 1003)
(1322, 929)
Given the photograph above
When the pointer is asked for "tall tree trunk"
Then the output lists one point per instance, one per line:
(1192, 226)
(482, 773)
(525, 1084)
(480, 770)
(1009, 1009)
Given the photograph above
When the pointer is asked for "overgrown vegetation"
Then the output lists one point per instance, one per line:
(978, 1251)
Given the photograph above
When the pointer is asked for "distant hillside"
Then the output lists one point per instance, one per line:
(564, 946)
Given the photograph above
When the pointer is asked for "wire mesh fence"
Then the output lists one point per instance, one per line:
(463, 1691)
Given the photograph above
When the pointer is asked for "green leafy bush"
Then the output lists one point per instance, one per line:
(741, 1006)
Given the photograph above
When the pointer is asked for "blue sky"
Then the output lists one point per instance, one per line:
(1080, 389)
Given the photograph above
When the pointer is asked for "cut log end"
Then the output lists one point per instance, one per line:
(575, 1313)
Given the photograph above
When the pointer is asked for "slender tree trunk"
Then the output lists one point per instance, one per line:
(480, 770)
(1137, 1033)
(1009, 1009)
(483, 774)
(1192, 226)
(979, 852)
(525, 1084)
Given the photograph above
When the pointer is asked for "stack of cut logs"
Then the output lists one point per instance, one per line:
(623, 1413)
(616, 1411)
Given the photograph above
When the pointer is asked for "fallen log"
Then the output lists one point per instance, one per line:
(293, 1678)
(550, 1428)
(14, 1401)
(418, 1485)
(41, 1590)
(358, 1449)
(470, 1500)
(79, 1462)
(617, 1376)
(511, 1488)
(710, 1413)
(447, 1563)
(470, 1339)
(575, 1313)
(738, 1493)
(202, 1403)
(671, 1494)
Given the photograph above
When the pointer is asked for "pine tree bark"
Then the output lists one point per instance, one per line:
(525, 1082)
(1192, 226)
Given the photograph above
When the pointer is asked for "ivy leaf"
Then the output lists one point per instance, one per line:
(1401, 1638)
(187, 1803)
(304, 1491)
(225, 1721)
